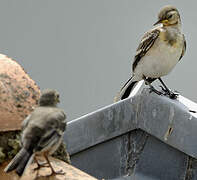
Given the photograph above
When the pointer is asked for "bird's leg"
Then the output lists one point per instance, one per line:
(164, 87)
(40, 165)
(53, 171)
(152, 89)
(167, 91)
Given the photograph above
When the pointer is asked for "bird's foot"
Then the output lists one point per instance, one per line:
(169, 93)
(53, 173)
(173, 95)
(192, 111)
(40, 165)
(152, 89)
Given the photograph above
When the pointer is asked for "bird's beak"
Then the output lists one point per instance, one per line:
(163, 21)
(158, 22)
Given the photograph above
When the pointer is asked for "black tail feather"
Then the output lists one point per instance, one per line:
(125, 90)
(128, 90)
(19, 162)
(21, 166)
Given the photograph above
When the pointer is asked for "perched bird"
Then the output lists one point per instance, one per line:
(42, 133)
(159, 51)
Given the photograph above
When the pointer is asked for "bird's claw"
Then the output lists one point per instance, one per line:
(162, 88)
(60, 172)
(171, 94)
(41, 165)
(53, 173)
(152, 89)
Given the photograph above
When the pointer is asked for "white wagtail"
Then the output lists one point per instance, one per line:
(42, 133)
(159, 51)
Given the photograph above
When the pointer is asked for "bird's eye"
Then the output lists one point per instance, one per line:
(58, 95)
(170, 16)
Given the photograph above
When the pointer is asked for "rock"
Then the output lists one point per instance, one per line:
(18, 94)
(71, 173)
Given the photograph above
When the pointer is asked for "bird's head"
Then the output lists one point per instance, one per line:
(168, 16)
(49, 97)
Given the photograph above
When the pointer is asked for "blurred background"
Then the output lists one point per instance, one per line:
(84, 49)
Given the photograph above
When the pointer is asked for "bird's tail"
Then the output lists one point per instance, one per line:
(125, 90)
(20, 161)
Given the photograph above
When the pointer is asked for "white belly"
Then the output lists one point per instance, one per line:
(158, 61)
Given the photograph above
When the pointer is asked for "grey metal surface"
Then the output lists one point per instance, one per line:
(106, 160)
(169, 120)
(135, 156)
(160, 161)
(100, 126)
(145, 137)
(114, 158)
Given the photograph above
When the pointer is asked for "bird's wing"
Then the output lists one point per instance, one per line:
(184, 48)
(48, 140)
(55, 126)
(60, 117)
(145, 44)
(26, 121)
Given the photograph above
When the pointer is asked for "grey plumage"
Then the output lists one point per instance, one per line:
(42, 132)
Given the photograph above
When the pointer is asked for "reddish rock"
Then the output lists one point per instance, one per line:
(18, 94)
(71, 173)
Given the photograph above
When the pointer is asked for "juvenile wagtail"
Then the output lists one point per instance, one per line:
(42, 133)
(158, 52)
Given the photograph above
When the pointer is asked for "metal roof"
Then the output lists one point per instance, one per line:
(167, 123)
